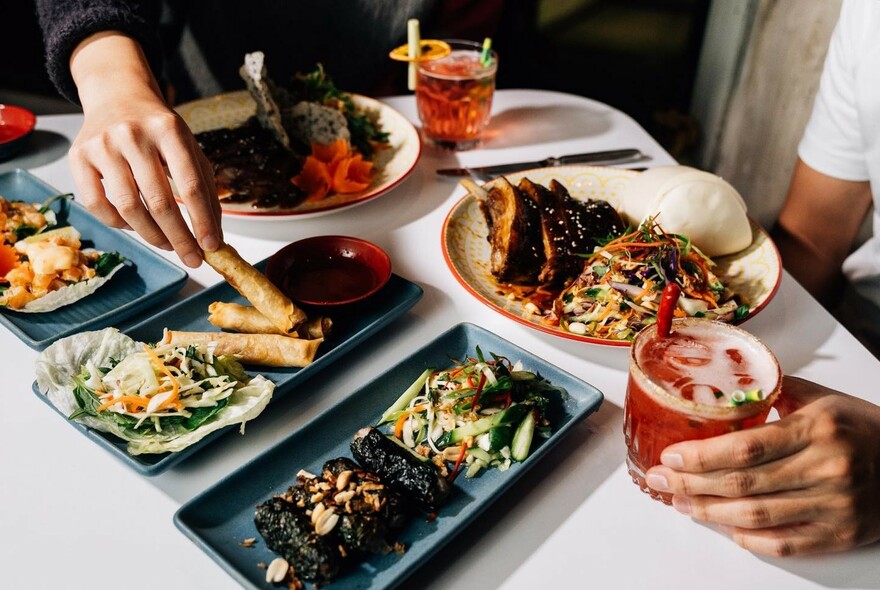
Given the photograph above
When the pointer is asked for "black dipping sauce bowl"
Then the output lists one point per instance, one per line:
(328, 271)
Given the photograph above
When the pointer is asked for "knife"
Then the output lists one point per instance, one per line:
(609, 157)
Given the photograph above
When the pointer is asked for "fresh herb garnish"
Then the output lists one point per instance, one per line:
(318, 87)
(107, 262)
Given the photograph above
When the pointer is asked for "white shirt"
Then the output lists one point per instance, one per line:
(842, 138)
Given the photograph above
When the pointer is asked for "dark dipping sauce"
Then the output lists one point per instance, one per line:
(329, 279)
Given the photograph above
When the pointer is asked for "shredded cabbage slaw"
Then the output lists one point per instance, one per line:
(618, 292)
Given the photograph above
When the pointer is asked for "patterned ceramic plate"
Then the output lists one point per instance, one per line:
(754, 273)
(391, 165)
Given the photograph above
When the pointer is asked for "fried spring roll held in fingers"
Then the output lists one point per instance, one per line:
(271, 350)
(256, 288)
(248, 320)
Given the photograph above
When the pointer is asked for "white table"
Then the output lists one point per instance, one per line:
(73, 517)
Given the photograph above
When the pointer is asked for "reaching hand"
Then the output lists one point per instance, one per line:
(807, 483)
(128, 139)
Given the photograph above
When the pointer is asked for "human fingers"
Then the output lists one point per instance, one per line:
(122, 192)
(91, 192)
(195, 189)
(146, 167)
(790, 473)
(743, 448)
(208, 175)
(757, 512)
(794, 539)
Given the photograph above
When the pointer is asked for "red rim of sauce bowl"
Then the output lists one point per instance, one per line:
(16, 126)
(329, 270)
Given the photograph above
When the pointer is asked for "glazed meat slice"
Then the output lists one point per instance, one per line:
(514, 233)
(590, 222)
(250, 165)
(559, 262)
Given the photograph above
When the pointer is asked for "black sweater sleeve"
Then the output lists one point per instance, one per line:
(67, 22)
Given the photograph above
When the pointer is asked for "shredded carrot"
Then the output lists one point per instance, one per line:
(128, 400)
(8, 259)
(175, 386)
(398, 426)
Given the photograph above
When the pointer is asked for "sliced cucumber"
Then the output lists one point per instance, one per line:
(514, 413)
(407, 396)
(522, 438)
(480, 454)
(500, 437)
(475, 428)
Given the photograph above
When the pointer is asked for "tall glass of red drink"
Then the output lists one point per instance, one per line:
(454, 95)
(706, 378)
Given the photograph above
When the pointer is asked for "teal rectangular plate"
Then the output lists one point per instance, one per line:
(350, 328)
(146, 280)
(218, 519)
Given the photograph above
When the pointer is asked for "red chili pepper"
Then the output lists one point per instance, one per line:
(461, 456)
(668, 301)
(477, 393)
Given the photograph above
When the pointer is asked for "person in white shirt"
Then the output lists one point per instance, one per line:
(810, 482)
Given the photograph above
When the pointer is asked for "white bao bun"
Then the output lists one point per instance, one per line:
(691, 202)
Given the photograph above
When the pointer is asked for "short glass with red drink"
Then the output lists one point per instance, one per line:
(454, 95)
(705, 379)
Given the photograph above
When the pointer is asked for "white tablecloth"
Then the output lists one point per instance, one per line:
(73, 517)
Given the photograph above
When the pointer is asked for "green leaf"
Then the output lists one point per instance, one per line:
(201, 415)
(45, 206)
(23, 231)
(741, 312)
(107, 262)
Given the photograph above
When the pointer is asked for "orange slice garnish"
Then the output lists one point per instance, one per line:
(431, 49)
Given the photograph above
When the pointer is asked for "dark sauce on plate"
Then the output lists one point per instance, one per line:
(250, 165)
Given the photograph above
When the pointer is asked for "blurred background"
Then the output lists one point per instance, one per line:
(710, 79)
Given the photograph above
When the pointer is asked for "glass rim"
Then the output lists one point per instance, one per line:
(691, 407)
(465, 44)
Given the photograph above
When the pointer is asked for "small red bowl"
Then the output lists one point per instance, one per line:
(16, 126)
(329, 270)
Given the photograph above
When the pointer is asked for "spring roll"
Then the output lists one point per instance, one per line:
(248, 320)
(317, 328)
(270, 350)
(256, 288)
(241, 318)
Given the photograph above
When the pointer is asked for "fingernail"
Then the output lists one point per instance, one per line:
(682, 504)
(657, 482)
(210, 243)
(128, 227)
(673, 460)
(192, 260)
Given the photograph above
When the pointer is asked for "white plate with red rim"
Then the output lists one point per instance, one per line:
(392, 165)
(754, 273)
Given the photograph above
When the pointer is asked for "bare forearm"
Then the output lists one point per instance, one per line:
(110, 66)
(817, 227)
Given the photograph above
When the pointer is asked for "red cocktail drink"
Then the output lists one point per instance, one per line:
(706, 378)
(454, 95)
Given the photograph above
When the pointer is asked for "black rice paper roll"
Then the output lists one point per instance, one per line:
(419, 480)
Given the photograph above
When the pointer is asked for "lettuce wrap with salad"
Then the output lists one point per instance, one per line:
(159, 398)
